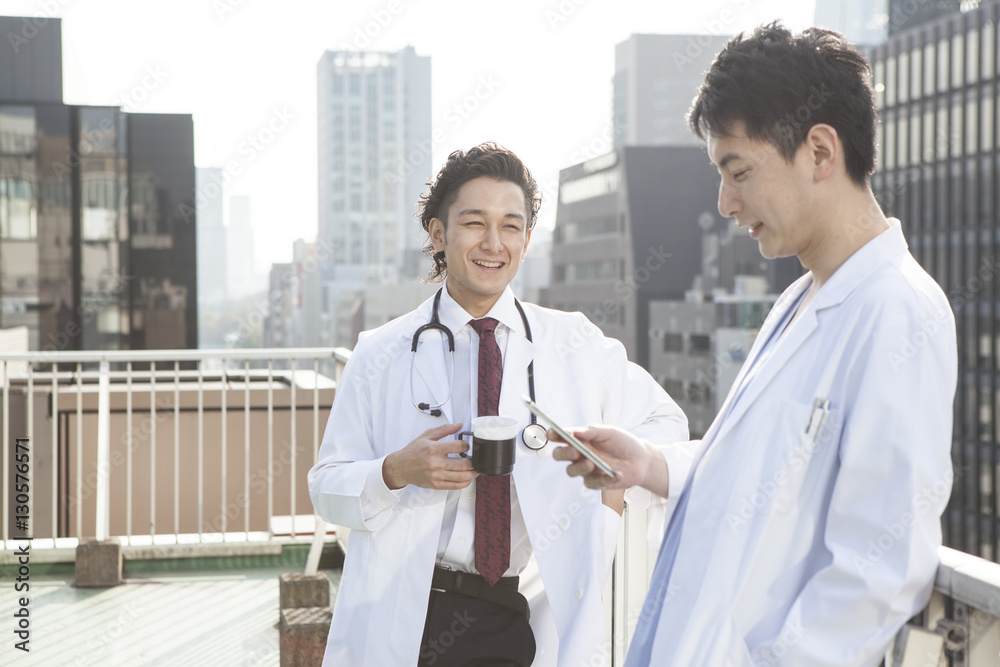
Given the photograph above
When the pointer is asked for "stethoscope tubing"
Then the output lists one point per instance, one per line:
(534, 431)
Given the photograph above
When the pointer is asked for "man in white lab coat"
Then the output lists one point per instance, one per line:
(388, 470)
(807, 530)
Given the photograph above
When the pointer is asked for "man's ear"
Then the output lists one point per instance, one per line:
(436, 232)
(825, 151)
(524, 250)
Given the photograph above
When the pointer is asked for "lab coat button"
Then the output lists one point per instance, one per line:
(563, 523)
(579, 594)
(461, 540)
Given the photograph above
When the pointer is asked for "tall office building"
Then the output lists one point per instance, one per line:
(939, 164)
(656, 77)
(97, 242)
(374, 159)
(907, 14)
(861, 21)
(627, 233)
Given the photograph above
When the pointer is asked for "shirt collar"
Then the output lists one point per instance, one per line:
(454, 316)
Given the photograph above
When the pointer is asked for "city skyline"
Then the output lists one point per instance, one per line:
(539, 81)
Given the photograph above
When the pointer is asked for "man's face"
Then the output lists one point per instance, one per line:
(767, 195)
(484, 241)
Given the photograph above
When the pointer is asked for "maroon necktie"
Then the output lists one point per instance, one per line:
(492, 537)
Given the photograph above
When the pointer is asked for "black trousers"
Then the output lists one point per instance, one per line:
(462, 631)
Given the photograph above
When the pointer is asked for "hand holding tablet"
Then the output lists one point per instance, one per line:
(570, 438)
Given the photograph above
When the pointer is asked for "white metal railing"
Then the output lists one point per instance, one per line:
(177, 415)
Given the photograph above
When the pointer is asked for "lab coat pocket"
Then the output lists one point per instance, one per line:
(806, 439)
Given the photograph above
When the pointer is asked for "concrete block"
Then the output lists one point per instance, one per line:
(98, 564)
(299, 590)
(302, 636)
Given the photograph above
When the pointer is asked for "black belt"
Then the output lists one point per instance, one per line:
(503, 593)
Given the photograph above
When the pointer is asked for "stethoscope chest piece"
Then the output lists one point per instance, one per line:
(533, 436)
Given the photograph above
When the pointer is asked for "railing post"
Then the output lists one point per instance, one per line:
(103, 452)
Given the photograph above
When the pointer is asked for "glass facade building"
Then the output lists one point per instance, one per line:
(97, 248)
(939, 159)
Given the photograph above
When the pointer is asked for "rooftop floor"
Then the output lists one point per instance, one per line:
(221, 611)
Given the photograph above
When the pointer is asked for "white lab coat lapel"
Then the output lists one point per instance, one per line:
(803, 328)
(792, 341)
(432, 363)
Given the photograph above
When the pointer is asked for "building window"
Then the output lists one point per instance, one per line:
(957, 53)
(986, 110)
(890, 82)
(916, 74)
(942, 68)
(972, 56)
(929, 69)
(699, 344)
(989, 50)
(673, 342)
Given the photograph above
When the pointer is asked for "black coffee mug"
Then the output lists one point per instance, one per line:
(490, 457)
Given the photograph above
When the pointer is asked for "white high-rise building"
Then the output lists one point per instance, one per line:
(374, 142)
(241, 280)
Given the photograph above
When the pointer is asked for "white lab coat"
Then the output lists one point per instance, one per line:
(801, 552)
(580, 377)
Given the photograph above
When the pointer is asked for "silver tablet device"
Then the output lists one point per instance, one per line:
(570, 438)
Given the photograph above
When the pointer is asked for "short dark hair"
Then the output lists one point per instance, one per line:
(489, 160)
(780, 85)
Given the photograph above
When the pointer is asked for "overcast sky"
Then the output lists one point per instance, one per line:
(240, 65)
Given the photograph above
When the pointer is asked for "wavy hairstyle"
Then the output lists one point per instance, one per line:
(487, 159)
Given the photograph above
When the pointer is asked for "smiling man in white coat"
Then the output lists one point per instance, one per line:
(808, 528)
(431, 575)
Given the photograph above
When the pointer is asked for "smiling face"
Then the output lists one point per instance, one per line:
(767, 195)
(484, 240)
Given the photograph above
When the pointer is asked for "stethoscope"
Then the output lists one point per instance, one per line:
(533, 435)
